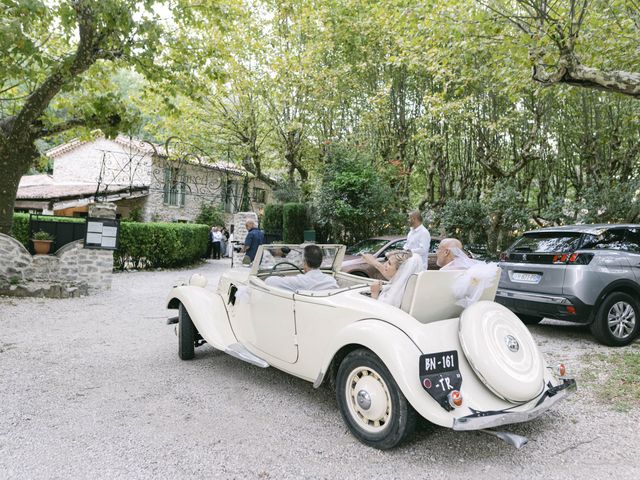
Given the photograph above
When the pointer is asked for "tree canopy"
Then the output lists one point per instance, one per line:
(467, 109)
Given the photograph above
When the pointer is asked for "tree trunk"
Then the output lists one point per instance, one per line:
(14, 163)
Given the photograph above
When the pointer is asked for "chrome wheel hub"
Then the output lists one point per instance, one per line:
(621, 319)
(364, 400)
(368, 399)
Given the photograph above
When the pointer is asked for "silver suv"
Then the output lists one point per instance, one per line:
(588, 274)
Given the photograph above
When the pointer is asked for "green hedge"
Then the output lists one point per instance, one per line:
(160, 245)
(142, 245)
(294, 222)
(20, 228)
(272, 218)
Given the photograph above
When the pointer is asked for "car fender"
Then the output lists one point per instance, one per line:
(400, 355)
(208, 313)
(622, 285)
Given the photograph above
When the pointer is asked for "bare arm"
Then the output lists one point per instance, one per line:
(381, 267)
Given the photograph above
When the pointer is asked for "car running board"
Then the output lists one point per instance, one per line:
(512, 439)
(239, 351)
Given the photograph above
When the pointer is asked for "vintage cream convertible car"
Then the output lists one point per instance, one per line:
(469, 369)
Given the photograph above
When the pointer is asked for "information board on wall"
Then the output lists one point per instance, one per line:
(102, 233)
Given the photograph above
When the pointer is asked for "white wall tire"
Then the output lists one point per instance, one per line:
(371, 404)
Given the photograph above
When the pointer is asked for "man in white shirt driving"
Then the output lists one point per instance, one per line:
(418, 238)
(311, 279)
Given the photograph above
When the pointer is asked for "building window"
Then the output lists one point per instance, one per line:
(259, 195)
(174, 186)
(229, 197)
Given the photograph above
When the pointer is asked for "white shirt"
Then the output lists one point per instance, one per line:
(312, 280)
(418, 241)
(217, 236)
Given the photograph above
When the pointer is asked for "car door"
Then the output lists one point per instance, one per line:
(633, 249)
(272, 321)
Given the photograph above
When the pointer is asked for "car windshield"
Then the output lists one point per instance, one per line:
(371, 245)
(291, 257)
(547, 242)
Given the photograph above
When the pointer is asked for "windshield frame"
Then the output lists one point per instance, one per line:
(334, 267)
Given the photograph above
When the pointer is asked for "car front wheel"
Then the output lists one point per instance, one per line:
(617, 320)
(186, 334)
(371, 404)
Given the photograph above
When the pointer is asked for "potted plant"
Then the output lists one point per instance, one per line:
(42, 242)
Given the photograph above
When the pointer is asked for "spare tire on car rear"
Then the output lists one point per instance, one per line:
(501, 351)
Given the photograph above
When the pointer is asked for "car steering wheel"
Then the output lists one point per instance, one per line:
(273, 269)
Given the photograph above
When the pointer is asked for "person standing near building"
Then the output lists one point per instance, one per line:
(252, 241)
(210, 243)
(217, 237)
(224, 243)
(418, 238)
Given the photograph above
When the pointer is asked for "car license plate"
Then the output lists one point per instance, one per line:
(438, 362)
(439, 375)
(526, 277)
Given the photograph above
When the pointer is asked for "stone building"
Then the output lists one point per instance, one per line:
(140, 179)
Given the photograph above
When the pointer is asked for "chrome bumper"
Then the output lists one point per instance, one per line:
(532, 297)
(550, 397)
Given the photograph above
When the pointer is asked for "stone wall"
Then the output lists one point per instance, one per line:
(72, 271)
(205, 185)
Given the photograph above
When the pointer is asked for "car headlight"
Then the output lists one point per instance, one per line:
(198, 280)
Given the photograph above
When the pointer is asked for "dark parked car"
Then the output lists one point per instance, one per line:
(588, 274)
(378, 246)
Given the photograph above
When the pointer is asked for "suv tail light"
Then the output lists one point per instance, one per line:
(561, 258)
(580, 258)
(572, 258)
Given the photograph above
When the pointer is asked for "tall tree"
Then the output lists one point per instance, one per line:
(557, 31)
(49, 48)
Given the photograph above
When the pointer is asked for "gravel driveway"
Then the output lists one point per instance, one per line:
(93, 388)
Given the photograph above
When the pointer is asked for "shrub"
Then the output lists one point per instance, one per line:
(210, 215)
(21, 228)
(353, 202)
(42, 235)
(294, 221)
(160, 245)
(272, 218)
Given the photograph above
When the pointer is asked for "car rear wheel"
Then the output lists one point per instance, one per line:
(371, 404)
(617, 320)
(530, 319)
(186, 334)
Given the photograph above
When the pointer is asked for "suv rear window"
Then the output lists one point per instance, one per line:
(547, 242)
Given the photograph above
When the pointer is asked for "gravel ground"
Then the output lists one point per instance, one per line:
(93, 388)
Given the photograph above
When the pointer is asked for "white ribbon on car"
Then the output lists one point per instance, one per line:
(475, 279)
